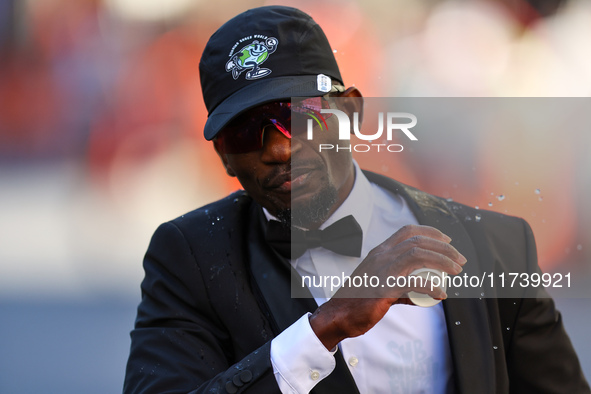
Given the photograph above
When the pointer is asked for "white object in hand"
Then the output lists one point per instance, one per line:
(427, 274)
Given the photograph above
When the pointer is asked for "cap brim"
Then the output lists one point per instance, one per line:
(260, 92)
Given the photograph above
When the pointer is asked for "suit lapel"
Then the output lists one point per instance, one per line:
(272, 277)
(467, 321)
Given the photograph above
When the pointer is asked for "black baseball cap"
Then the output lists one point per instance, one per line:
(264, 54)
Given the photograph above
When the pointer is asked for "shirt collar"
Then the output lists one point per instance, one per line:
(358, 203)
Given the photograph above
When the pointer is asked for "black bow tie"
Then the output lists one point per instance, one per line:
(343, 237)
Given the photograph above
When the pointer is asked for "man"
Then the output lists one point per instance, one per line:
(217, 313)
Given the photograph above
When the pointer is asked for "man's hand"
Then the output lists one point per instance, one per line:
(353, 311)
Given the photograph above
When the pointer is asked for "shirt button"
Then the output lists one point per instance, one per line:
(315, 375)
(353, 361)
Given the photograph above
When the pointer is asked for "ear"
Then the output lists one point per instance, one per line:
(224, 158)
(351, 92)
(352, 103)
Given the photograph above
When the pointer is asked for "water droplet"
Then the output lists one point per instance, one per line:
(490, 204)
(212, 223)
(467, 218)
(495, 347)
(579, 247)
(537, 191)
(514, 303)
(540, 198)
(500, 197)
(482, 294)
(458, 323)
(508, 328)
(477, 217)
(236, 200)
(217, 218)
(457, 293)
(334, 51)
(477, 207)
(449, 199)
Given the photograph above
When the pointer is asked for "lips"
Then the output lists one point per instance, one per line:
(299, 176)
(297, 172)
(285, 181)
(279, 181)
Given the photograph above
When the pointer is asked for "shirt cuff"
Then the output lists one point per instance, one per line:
(299, 359)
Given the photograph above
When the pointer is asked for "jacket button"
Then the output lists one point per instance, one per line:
(246, 376)
(237, 382)
(230, 388)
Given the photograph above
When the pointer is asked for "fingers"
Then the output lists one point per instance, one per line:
(411, 230)
(414, 247)
(430, 254)
(355, 309)
(411, 248)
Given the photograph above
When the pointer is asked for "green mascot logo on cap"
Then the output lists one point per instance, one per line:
(250, 57)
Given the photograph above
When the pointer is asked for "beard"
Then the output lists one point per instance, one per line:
(312, 212)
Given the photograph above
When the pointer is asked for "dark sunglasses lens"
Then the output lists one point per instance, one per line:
(245, 133)
(239, 137)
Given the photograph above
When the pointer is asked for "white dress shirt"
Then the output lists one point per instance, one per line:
(406, 352)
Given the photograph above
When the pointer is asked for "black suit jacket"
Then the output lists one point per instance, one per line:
(215, 294)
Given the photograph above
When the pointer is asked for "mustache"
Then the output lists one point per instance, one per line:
(277, 176)
(280, 174)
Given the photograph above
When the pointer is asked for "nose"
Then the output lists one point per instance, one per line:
(276, 146)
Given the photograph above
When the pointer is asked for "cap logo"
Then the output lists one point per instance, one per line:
(251, 56)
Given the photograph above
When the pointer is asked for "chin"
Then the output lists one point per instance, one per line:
(312, 210)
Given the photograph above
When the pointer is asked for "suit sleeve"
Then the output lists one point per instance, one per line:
(541, 358)
(179, 344)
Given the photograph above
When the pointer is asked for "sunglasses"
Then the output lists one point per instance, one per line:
(246, 133)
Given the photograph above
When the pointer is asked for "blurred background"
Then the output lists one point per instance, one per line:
(101, 140)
